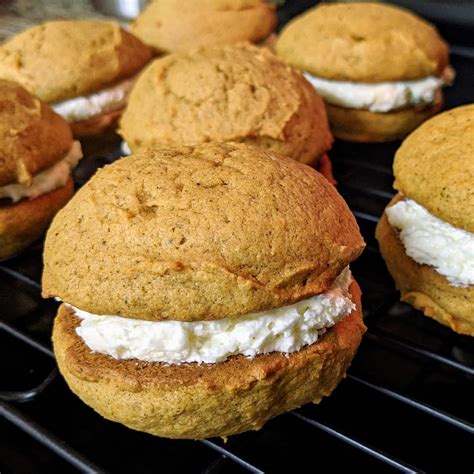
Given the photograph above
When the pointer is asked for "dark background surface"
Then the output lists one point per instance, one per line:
(406, 404)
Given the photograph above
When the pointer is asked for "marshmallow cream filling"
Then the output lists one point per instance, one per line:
(125, 149)
(286, 329)
(383, 96)
(431, 241)
(48, 180)
(86, 107)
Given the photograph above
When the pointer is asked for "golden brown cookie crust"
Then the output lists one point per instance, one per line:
(363, 126)
(169, 26)
(58, 60)
(204, 400)
(23, 223)
(32, 136)
(199, 233)
(233, 93)
(363, 42)
(96, 125)
(435, 166)
(422, 286)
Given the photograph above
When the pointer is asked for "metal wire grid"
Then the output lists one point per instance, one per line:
(363, 179)
(12, 411)
(14, 414)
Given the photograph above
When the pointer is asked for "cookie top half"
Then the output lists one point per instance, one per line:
(363, 42)
(172, 26)
(32, 136)
(230, 93)
(199, 233)
(435, 166)
(58, 60)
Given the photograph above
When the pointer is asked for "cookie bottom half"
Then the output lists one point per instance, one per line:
(423, 287)
(363, 126)
(24, 222)
(197, 401)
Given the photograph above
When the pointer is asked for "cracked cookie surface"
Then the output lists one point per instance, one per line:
(170, 26)
(199, 233)
(363, 42)
(234, 93)
(58, 60)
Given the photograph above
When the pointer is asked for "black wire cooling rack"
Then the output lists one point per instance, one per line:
(406, 404)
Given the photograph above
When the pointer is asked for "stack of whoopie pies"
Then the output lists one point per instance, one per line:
(205, 279)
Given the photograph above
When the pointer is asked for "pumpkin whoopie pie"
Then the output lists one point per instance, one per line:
(426, 233)
(83, 69)
(37, 154)
(170, 26)
(230, 93)
(206, 289)
(379, 68)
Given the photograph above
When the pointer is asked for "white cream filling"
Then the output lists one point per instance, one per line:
(86, 107)
(285, 329)
(46, 181)
(431, 241)
(382, 96)
(125, 149)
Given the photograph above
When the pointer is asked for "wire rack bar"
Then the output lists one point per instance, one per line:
(231, 456)
(440, 415)
(367, 165)
(367, 191)
(28, 395)
(365, 216)
(216, 465)
(375, 453)
(385, 339)
(49, 440)
(26, 339)
(21, 277)
(465, 51)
